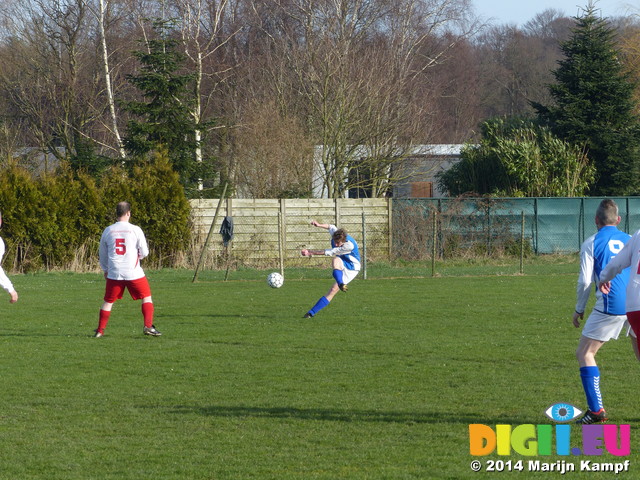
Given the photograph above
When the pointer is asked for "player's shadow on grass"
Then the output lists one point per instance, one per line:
(334, 415)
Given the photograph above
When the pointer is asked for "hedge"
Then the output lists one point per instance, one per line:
(55, 221)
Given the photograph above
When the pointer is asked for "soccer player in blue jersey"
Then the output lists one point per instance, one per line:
(608, 316)
(345, 264)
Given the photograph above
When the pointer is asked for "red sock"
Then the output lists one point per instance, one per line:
(103, 320)
(147, 313)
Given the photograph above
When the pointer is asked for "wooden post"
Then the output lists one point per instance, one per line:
(228, 248)
(208, 239)
(364, 246)
(281, 235)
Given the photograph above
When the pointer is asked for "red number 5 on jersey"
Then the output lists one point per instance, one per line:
(121, 248)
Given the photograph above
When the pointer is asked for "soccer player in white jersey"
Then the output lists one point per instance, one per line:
(5, 283)
(345, 264)
(122, 246)
(608, 315)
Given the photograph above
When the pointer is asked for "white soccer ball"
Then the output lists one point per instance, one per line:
(275, 280)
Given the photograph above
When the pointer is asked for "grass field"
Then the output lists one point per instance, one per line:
(382, 384)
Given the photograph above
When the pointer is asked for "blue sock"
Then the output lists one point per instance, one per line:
(337, 274)
(591, 383)
(323, 302)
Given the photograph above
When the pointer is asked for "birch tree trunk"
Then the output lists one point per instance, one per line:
(107, 79)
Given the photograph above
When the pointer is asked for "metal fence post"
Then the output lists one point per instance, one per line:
(488, 230)
(535, 223)
(522, 246)
(581, 223)
(434, 242)
(439, 228)
(627, 220)
(390, 226)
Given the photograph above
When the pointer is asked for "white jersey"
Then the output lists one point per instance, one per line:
(629, 256)
(122, 246)
(4, 280)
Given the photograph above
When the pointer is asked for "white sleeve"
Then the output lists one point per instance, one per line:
(104, 253)
(621, 261)
(344, 249)
(585, 277)
(4, 280)
(143, 248)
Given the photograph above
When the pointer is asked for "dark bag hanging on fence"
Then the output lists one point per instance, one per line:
(226, 230)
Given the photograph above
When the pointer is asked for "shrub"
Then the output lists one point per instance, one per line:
(56, 221)
(161, 209)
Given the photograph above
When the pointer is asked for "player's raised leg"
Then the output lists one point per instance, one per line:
(338, 273)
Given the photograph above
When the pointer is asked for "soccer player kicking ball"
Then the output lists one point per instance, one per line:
(345, 264)
(122, 246)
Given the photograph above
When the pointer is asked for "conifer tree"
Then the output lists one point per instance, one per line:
(594, 107)
(164, 121)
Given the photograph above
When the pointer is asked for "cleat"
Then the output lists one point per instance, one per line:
(307, 315)
(98, 334)
(151, 331)
(593, 417)
(342, 287)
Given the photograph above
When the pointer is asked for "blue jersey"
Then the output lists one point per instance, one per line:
(348, 252)
(596, 252)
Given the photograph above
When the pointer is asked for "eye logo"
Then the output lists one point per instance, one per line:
(562, 412)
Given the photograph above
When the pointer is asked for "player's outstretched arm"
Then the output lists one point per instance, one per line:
(320, 225)
(311, 253)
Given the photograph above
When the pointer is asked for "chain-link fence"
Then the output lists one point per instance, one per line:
(492, 226)
(269, 234)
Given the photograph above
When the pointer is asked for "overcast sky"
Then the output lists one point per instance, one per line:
(521, 11)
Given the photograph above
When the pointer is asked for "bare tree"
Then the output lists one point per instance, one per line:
(630, 49)
(206, 27)
(274, 156)
(52, 75)
(516, 63)
(101, 15)
(354, 64)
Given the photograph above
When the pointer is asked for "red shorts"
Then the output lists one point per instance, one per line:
(138, 289)
(634, 320)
